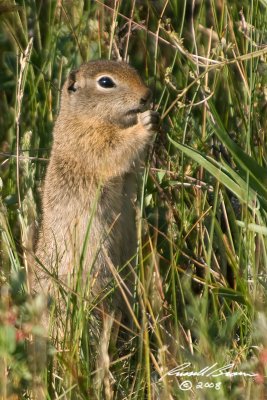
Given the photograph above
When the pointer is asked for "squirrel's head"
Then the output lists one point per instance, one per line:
(107, 90)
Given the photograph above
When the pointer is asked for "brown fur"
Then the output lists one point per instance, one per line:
(99, 137)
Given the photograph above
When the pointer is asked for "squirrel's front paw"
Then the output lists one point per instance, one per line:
(150, 120)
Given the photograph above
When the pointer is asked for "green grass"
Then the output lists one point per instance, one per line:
(201, 276)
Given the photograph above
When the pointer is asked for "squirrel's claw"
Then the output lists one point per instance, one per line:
(150, 120)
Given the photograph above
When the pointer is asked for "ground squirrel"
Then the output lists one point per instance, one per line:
(102, 129)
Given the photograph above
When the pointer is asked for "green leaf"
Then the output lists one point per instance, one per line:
(253, 227)
(244, 195)
(7, 340)
(257, 174)
(231, 294)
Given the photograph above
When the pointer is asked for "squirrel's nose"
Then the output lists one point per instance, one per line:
(146, 97)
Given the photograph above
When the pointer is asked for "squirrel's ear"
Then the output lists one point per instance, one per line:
(72, 83)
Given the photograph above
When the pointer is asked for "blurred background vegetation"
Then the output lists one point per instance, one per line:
(203, 199)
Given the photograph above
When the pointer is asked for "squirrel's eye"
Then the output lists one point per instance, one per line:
(106, 82)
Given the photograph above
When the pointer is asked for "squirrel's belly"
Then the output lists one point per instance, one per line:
(87, 247)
